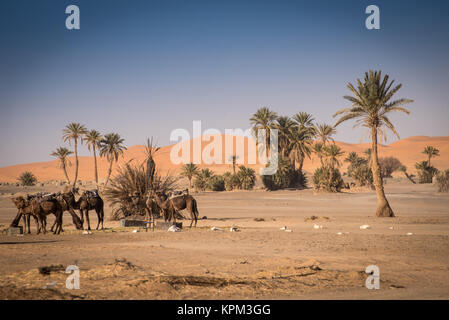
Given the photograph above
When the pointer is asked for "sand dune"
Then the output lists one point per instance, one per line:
(408, 151)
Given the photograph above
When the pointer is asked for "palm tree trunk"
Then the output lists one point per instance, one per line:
(65, 172)
(428, 162)
(383, 207)
(109, 172)
(96, 169)
(76, 163)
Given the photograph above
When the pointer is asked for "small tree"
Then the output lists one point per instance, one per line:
(189, 170)
(388, 165)
(216, 183)
(27, 178)
(202, 179)
(431, 152)
(247, 177)
(283, 178)
(425, 172)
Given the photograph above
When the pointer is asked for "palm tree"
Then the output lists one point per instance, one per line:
(325, 132)
(332, 153)
(300, 145)
(370, 106)
(189, 170)
(234, 162)
(74, 131)
(264, 119)
(93, 139)
(111, 147)
(62, 153)
(305, 120)
(284, 125)
(318, 150)
(431, 152)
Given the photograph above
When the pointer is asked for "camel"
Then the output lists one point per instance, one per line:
(170, 206)
(66, 207)
(26, 220)
(88, 201)
(147, 205)
(39, 209)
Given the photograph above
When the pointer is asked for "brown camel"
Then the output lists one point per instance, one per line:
(89, 200)
(170, 206)
(40, 209)
(66, 207)
(140, 203)
(26, 220)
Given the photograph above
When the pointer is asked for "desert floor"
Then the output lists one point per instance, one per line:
(260, 261)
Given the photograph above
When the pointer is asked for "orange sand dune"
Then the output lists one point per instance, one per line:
(408, 151)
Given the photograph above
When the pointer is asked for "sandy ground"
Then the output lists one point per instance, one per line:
(260, 261)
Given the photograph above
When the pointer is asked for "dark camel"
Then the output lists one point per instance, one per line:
(85, 203)
(39, 209)
(140, 203)
(170, 206)
(66, 207)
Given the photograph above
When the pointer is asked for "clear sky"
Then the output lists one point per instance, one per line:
(144, 68)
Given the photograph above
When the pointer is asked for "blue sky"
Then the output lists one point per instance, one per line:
(144, 68)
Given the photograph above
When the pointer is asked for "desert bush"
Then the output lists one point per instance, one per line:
(327, 179)
(202, 179)
(216, 183)
(388, 165)
(285, 177)
(363, 176)
(137, 178)
(443, 181)
(232, 181)
(246, 177)
(425, 172)
(27, 178)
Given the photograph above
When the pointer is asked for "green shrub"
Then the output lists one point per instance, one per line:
(363, 175)
(443, 181)
(285, 177)
(425, 172)
(328, 179)
(201, 181)
(232, 181)
(27, 178)
(246, 177)
(216, 183)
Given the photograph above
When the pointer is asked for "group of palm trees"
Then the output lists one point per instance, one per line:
(298, 136)
(371, 103)
(109, 146)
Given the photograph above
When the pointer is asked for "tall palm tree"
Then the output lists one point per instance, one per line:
(93, 139)
(189, 170)
(284, 125)
(371, 105)
(74, 131)
(431, 152)
(300, 145)
(305, 120)
(332, 153)
(325, 132)
(111, 147)
(62, 153)
(264, 118)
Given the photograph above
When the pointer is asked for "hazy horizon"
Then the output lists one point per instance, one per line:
(144, 68)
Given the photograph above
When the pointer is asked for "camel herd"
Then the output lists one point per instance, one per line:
(40, 205)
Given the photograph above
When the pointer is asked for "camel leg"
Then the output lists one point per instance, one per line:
(98, 218)
(87, 219)
(29, 223)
